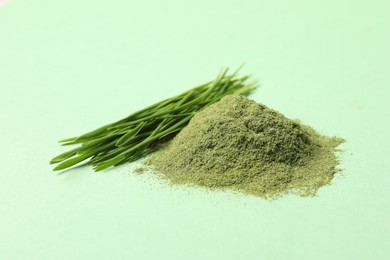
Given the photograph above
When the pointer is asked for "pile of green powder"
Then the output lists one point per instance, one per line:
(241, 145)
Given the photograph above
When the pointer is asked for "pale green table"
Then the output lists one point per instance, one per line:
(67, 67)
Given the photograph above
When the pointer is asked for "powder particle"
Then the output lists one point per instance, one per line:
(241, 145)
(139, 170)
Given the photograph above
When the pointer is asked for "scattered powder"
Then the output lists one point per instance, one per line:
(139, 170)
(241, 145)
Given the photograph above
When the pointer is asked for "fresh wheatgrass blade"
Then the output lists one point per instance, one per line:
(64, 156)
(127, 137)
(134, 136)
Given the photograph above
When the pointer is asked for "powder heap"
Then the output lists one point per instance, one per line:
(241, 145)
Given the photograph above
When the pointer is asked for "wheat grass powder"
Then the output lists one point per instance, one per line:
(244, 146)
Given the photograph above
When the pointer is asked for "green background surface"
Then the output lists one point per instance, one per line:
(67, 67)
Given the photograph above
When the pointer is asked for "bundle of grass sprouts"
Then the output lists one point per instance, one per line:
(131, 138)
